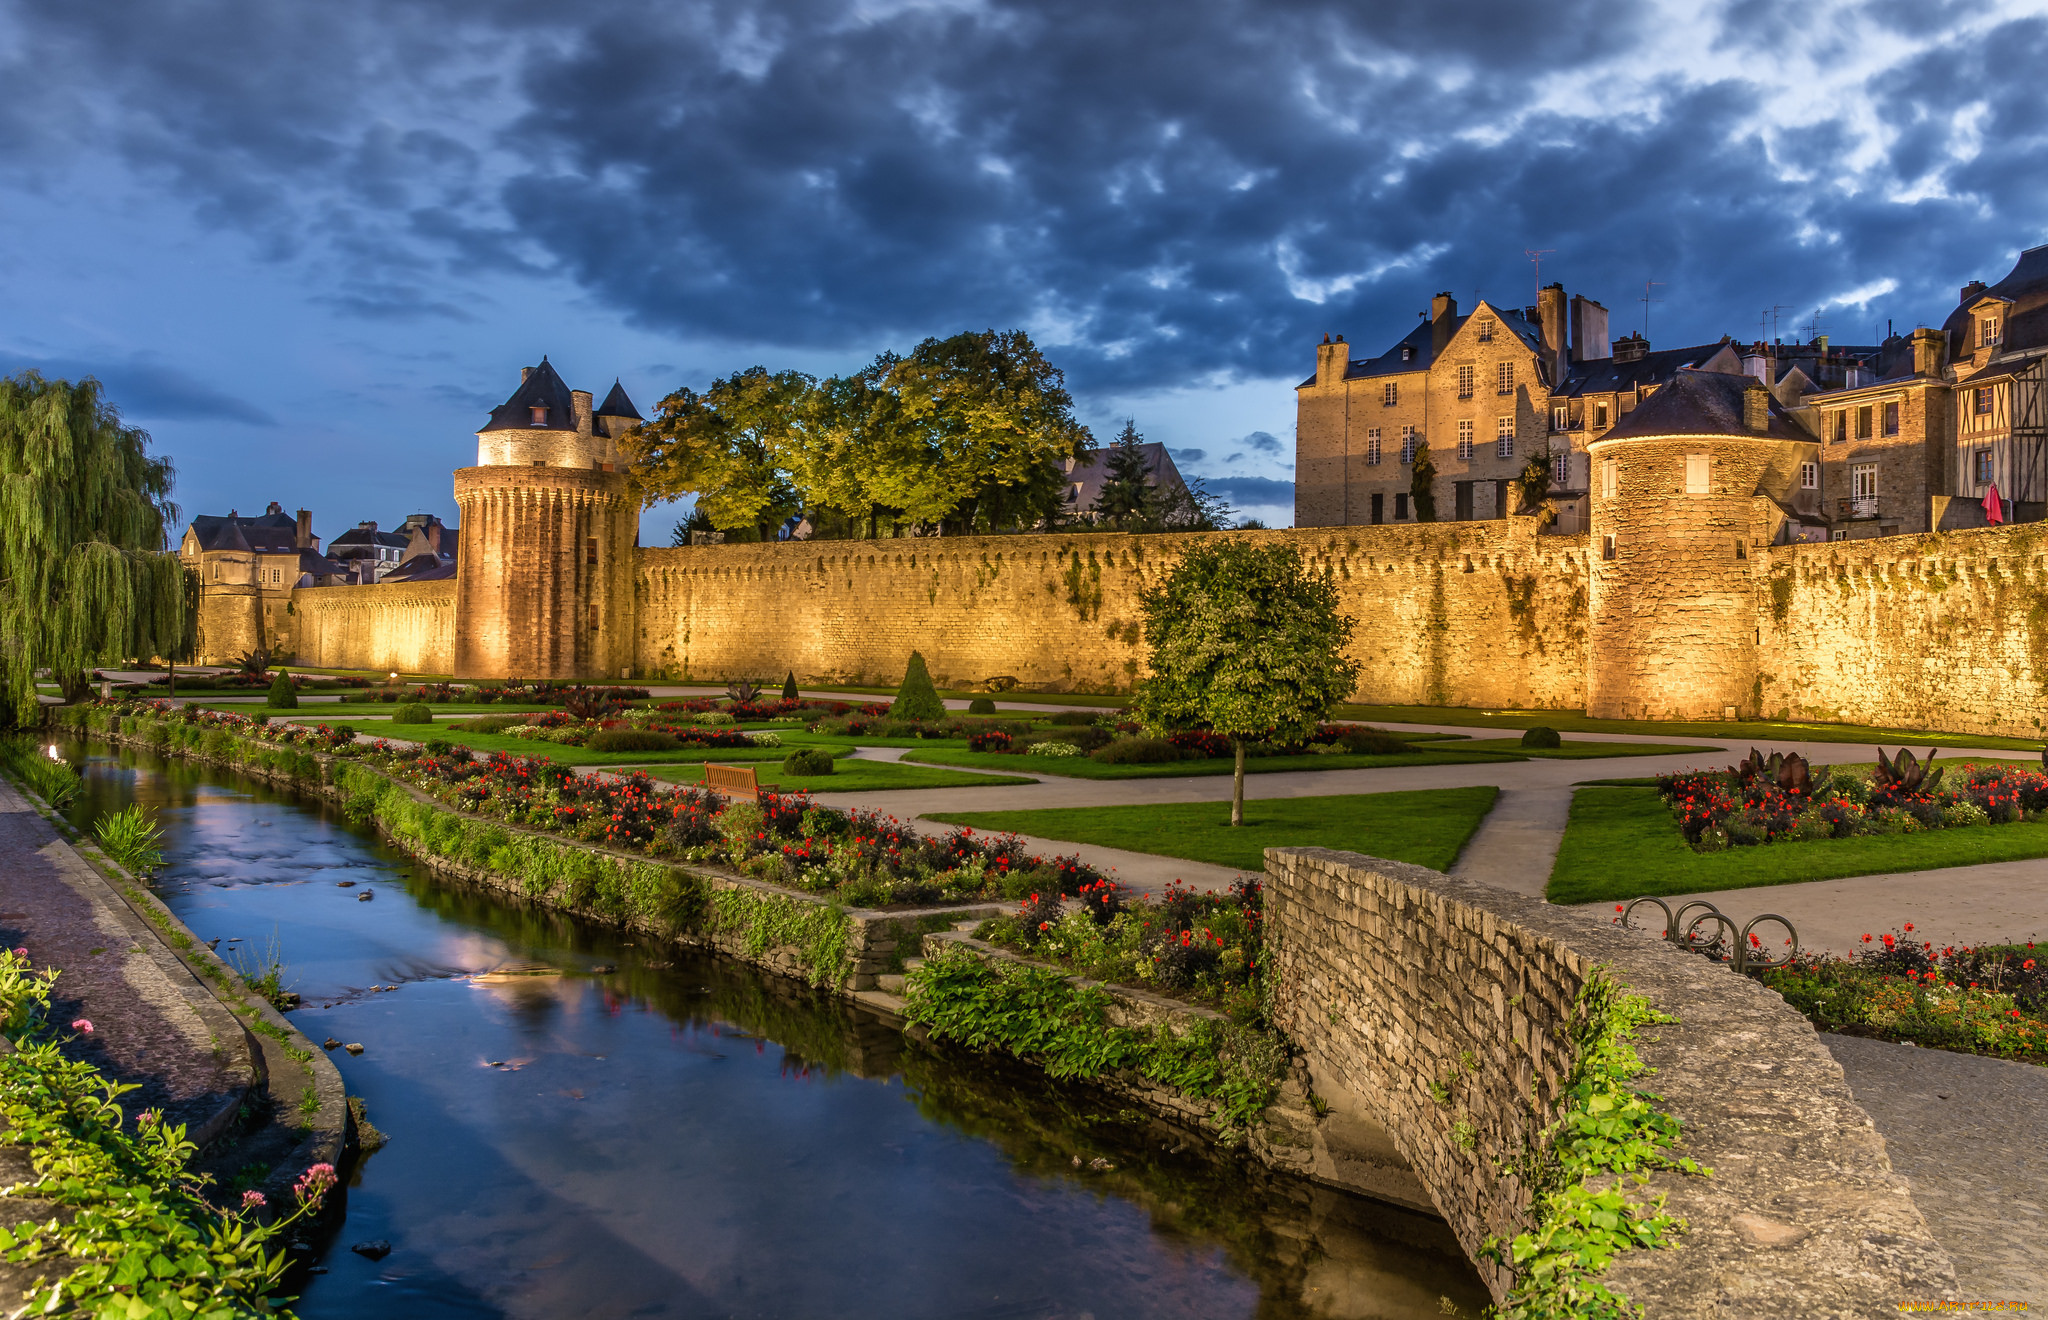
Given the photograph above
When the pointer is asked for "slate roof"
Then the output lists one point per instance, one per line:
(2026, 318)
(264, 531)
(1605, 375)
(362, 537)
(1703, 403)
(542, 388)
(427, 567)
(616, 404)
(1421, 343)
(319, 565)
(1090, 473)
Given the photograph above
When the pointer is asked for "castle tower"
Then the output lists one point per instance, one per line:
(545, 579)
(1685, 489)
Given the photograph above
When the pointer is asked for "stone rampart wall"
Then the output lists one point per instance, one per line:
(1478, 613)
(407, 626)
(1391, 978)
(1944, 631)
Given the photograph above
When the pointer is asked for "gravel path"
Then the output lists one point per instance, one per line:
(1971, 1134)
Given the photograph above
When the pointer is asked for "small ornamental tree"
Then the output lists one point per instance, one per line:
(283, 696)
(789, 687)
(1422, 483)
(1247, 642)
(917, 699)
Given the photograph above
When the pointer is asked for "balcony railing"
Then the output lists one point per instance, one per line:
(1863, 507)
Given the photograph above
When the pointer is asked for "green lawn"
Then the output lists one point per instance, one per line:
(1582, 749)
(1622, 843)
(1760, 732)
(1427, 828)
(1109, 701)
(853, 776)
(1083, 767)
(362, 710)
(560, 753)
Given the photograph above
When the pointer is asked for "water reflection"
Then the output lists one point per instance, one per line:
(584, 1126)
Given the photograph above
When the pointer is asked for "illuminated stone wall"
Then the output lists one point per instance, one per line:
(407, 626)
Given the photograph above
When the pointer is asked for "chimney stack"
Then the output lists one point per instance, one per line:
(1589, 330)
(1756, 407)
(1972, 291)
(524, 372)
(1929, 348)
(305, 537)
(583, 406)
(1550, 312)
(1332, 361)
(1443, 318)
(1630, 348)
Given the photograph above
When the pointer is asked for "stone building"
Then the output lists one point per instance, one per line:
(1997, 341)
(248, 568)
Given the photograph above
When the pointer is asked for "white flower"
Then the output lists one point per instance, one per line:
(1054, 749)
(765, 739)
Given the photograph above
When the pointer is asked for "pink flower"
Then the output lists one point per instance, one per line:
(149, 1118)
(21, 953)
(82, 1024)
(252, 1201)
(314, 1183)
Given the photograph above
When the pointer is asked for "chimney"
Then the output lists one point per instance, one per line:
(1928, 351)
(1630, 348)
(1971, 292)
(1443, 318)
(1589, 330)
(582, 399)
(1756, 408)
(1332, 360)
(1550, 311)
(434, 536)
(366, 526)
(305, 537)
(524, 372)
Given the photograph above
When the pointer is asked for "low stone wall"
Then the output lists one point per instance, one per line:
(1391, 978)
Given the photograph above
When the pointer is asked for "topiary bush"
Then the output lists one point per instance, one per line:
(631, 740)
(1541, 735)
(413, 712)
(1375, 742)
(489, 724)
(981, 706)
(1137, 751)
(789, 692)
(808, 761)
(917, 699)
(283, 696)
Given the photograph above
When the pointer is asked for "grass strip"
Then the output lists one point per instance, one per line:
(852, 776)
(1083, 767)
(560, 753)
(1759, 732)
(1621, 843)
(1584, 749)
(1428, 828)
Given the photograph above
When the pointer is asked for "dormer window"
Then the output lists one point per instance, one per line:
(1987, 331)
(540, 416)
(1406, 353)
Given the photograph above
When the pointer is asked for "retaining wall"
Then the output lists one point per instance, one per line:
(407, 626)
(1392, 977)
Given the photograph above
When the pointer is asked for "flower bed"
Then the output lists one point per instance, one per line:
(1987, 999)
(1720, 809)
(1202, 947)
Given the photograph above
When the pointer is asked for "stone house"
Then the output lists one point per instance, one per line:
(368, 552)
(248, 568)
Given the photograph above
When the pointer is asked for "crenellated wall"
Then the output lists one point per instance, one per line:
(1475, 613)
(407, 626)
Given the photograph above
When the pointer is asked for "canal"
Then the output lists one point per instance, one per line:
(584, 1126)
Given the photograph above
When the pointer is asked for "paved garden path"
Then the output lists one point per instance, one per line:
(1971, 1134)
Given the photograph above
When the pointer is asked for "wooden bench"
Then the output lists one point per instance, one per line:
(735, 781)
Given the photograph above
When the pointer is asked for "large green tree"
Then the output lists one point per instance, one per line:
(85, 577)
(1247, 642)
(728, 446)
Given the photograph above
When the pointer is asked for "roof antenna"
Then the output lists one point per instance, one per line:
(1647, 300)
(1536, 256)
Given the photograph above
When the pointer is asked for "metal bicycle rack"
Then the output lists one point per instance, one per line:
(1702, 928)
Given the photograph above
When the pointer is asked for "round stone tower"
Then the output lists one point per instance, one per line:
(545, 575)
(1686, 488)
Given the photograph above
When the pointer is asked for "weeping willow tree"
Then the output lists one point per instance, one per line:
(84, 575)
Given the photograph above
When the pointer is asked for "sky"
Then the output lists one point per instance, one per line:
(308, 247)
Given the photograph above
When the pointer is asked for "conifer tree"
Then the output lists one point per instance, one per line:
(84, 508)
(789, 692)
(1422, 483)
(1127, 499)
(917, 699)
(283, 696)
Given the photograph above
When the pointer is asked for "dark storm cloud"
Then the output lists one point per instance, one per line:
(1188, 455)
(145, 389)
(1161, 197)
(1246, 491)
(1262, 442)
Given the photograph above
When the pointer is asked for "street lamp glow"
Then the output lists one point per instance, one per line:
(54, 754)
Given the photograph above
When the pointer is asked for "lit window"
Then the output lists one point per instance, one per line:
(1608, 478)
(1863, 421)
(1390, 394)
(1465, 382)
(1981, 467)
(1486, 332)
(1504, 378)
(1891, 418)
(1809, 476)
(1987, 331)
(540, 416)
(1560, 417)
(1696, 479)
(1465, 439)
(1863, 481)
(1599, 414)
(1372, 447)
(1408, 444)
(1838, 426)
(1504, 437)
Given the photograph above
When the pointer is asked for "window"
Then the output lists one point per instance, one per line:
(1465, 382)
(1504, 378)
(1607, 546)
(1486, 332)
(1560, 418)
(1696, 474)
(1891, 418)
(1372, 447)
(1465, 439)
(1400, 507)
(1561, 467)
(1981, 400)
(1504, 437)
(1379, 509)
(540, 416)
(1838, 426)
(1390, 394)
(1987, 331)
(1809, 476)
(593, 616)
(1608, 478)
(1980, 468)
(1863, 481)
(1839, 534)
(1599, 414)
(1863, 422)
(1407, 353)
(1408, 444)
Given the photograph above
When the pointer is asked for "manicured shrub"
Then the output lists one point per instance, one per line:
(1362, 740)
(1137, 751)
(489, 724)
(808, 761)
(630, 740)
(413, 712)
(981, 706)
(1074, 717)
(283, 696)
(917, 699)
(789, 687)
(1541, 735)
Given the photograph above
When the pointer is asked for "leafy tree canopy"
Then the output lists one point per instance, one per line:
(729, 446)
(1247, 642)
(84, 575)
